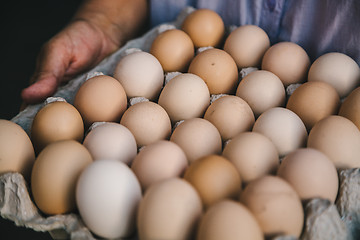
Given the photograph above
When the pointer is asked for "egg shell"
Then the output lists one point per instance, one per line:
(174, 49)
(185, 96)
(231, 115)
(148, 122)
(101, 99)
(110, 140)
(215, 178)
(283, 127)
(140, 74)
(170, 209)
(158, 161)
(337, 69)
(197, 137)
(247, 45)
(218, 69)
(253, 155)
(54, 122)
(339, 139)
(16, 150)
(287, 60)
(262, 90)
(301, 169)
(205, 28)
(313, 101)
(107, 195)
(350, 107)
(55, 174)
(275, 205)
(229, 220)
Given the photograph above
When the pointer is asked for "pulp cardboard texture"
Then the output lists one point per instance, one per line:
(324, 220)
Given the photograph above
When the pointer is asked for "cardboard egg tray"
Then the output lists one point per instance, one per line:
(324, 220)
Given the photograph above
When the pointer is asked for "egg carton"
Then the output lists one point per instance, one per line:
(323, 219)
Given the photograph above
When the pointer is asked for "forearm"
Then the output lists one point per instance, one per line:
(120, 20)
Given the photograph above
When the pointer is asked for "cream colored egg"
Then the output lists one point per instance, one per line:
(262, 90)
(185, 96)
(16, 150)
(110, 140)
(230, 115)
(301, 169)
(350, 107)
(337, 69)
(158, 161)
(197, 137)
(141, 75)
(170, 209)
(283, 127)
(339, 139)
(253, 155)
(247, 44)
(148, 122)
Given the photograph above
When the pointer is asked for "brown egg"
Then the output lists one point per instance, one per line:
(288, 61)
(339, 139)
(337, 69)
(205, 28)
(16, 150)
(101, 99)
(54, 122)
(247, 44)
(197, 137)
(174, 49)
(230, 115)
(229, 220)
(217, 68)
(350, 108)
(148, 122)
(301, 169)
(313, 101)
(55, 174)
(215, 178)
(262, 90)
(275, 205)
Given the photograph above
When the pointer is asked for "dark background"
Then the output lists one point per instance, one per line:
(25, 27)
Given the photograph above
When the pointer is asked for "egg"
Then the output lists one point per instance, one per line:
(215, 178)
(247, 45)
(275, 205)
(217, 68)
(313, 101)
(140, 74)
(205, 28)
(148, 122)
(253, 155)
(107, 195)
(185, 96)
(339, 139)
(230, 115)
(337, 69)
(350, 107)
(197, 137)
(262, 90)
(174, 49)
(301, 169)
(101, 99)
(283, 127)
(16, 150)
(56, 121)
(55, 174)
(229, 220)
(158, 161)
(287, 60)
(170, 209)
(109, 140)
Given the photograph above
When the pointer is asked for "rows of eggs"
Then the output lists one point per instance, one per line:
(200, 155)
